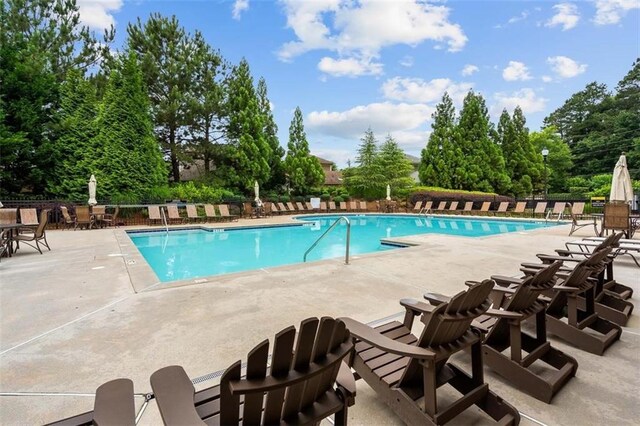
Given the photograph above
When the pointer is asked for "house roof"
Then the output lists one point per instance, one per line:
(333, 178)
(323, 161)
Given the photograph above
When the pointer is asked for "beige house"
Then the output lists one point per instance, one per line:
(331, 177)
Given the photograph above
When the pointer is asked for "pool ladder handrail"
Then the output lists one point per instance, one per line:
(333, 225)
(164, 220)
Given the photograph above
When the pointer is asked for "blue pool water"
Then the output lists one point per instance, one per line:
(185, 254)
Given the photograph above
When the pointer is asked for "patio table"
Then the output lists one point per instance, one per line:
(12, 228)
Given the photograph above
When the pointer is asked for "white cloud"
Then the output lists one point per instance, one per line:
(469, 69)
(566, 67)
(361, 29)
(518, 18)
(418, 90)
(611, 11)
(98, 14)
(526, 98)
(239, 6)
(547, 79)
(351, 67)
(516, 71)
(566, 15)
(383, 118)
(407, 61)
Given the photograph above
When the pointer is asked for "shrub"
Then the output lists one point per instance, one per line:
(325, 196)
(338, 199)
(285, 198)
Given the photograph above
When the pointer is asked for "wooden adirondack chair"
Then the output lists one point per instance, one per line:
(114, 405)
(406, 371)
(516, 305)
(299, 387)
(569, 317)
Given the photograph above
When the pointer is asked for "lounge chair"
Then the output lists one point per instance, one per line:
(173, 214)
(248, 210)
(417, 207)
(468, 207)
(353, 206)
(192, 213)
(300, 206)
(332, 206)
(35, 237)
(577, 321)
(323, 206)
(114, 405)
(540, 209)
(427, 207)
(520, 208)
(502, 207)
(486, 206)
(306, 382)
(282, 208)
(343, 206)
(111, 219)
(308, 206)
(363, 206)
(84, 219)
(576, 212)
(210, 212)
(28, 217)
(558, 211)
(224, 213)
(505, 339)
(441, 207)
(274, 209)
(291, 207)
(406, 371)
(154, 214)
(453, 207)
(8, 216)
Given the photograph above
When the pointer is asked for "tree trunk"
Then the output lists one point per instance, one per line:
(175, 165)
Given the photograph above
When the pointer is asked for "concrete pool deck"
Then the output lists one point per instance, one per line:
(71, 319)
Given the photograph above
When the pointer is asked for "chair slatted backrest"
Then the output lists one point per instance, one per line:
(154, 212)
(332, 205)
(454, 206)
(300, 206)
(28, 217)
(540, 207)
(82, 214)
(308, 205)
(442, 205)
(323, 205)
(44, 219)
(527, 293)
(343, 205)
(302, 372)
(274, 208)
(578, 276)
(485, 206)
(468, 206)
(363, 206)
(209, 210)
(418, 206)
(172, 211)
(520, 207)
(8, 216)
(558, 208)
(616, 216)
(353, 206)
(192, 212)
(428, 206)
(224, 210)
(577, 208)
(502, 208)
(291, 207)
(282, 207)
(456, 316)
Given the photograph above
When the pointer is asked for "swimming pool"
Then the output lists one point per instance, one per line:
(201, 252)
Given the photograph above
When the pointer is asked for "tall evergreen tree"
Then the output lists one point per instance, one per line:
(129, 161)
(245, 131)
(271, 134)
(559, 161)
(395, 166)
(75, 150)
(304, 170)
(367, 178)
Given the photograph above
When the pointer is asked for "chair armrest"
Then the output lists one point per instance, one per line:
(567, 289)
(174, 394)
(367, 334)
(500, 313)
(114, 404)
(417, 307)
(436, 299)
(554, 258)
(507, 290)
(503, 280)
(346, 383)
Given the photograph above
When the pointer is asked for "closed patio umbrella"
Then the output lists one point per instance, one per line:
(388, 193)
(621, 189)
(256, 189)
(92, 191)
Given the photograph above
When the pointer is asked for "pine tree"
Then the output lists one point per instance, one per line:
(396, 168)
(245, 131)
(367, 178)
(271, 134)
(440, 158)
(304, 170)
(129, 162)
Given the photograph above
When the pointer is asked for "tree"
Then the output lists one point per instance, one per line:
(367, 178)
(75, 151)
(396, 168)
(168, 58)
(271, 134)
(304, 170)
(129, 162)
(245, 131)
(558, 161)
(441, 159)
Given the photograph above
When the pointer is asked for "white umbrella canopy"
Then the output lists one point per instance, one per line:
(388, 193)
(621, 188)
(256, 190)
(92, 191)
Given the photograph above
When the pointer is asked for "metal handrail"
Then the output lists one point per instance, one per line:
(164, 219)
(333, 225)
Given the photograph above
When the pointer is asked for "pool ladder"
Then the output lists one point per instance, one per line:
(164, 220)
(333, 225)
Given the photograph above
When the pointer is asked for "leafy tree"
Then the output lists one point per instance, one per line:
(75, 151)
(271, 135)
(304, 170)
(395, 166)
(129, 161)
(245, 131)
(559, 161)
(367, 178)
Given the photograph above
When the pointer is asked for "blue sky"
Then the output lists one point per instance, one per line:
(384, 64)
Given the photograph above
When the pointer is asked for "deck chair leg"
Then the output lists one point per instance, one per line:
(477, 368)
(515, 338)
(340, 418)
(430, 386)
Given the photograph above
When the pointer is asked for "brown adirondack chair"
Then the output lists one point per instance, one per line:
(304, 384)
(504, 331)
(406, 371)
(34, 237)
(572, 309)
(154, 214)
(114, 405)
(192, 213)
(84, 219)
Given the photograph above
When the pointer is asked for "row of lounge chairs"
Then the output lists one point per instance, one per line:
(306, 207)
(172, 214)
(540, 210)
(308, 379)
